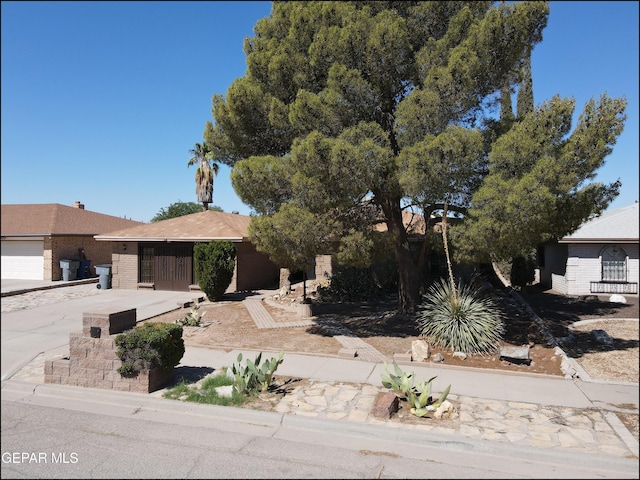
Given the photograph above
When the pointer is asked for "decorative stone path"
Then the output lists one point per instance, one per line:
(263, 319)
(525, 424)
(347, 339)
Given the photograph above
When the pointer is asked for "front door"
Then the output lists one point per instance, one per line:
(173, 266)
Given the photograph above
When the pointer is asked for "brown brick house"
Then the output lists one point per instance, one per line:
(160, 255)
(35, 237)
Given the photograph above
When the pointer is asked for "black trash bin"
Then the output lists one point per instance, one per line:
(84, 269)
(104, 276)
(69, 269)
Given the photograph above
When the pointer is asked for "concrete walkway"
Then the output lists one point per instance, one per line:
(347, 339)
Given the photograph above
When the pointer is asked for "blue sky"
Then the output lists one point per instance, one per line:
(101, 101)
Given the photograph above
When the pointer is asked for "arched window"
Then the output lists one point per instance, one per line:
(614, 264)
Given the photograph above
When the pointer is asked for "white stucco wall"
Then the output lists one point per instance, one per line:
(584, 266)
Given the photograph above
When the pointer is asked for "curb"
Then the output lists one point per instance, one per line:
(414, 444)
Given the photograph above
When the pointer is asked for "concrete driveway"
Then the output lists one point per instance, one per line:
(32, 328)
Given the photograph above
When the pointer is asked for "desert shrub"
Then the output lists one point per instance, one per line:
(462, 320)
(148, 346)
(214, 263)
(349, 284)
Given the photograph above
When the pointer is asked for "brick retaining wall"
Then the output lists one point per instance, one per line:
(93, 362)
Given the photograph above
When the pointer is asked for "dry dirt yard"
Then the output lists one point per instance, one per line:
(227, 325)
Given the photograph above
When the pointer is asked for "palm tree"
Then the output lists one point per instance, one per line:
(207, 169)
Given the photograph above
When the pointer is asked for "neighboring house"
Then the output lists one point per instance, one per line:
(35, 237)
(159, 255)
(601, 257)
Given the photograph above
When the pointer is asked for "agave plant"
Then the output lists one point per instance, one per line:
(421, 402)
(192, 319)
(401, 383)
(461, 319)
(418, 396)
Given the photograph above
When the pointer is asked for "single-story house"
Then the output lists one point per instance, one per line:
(601, 257)
(160, 255)
(416, 228)
(35, 237)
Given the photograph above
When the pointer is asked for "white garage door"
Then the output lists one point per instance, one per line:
(23, 259)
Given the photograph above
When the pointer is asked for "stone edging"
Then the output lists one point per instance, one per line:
(570, 368)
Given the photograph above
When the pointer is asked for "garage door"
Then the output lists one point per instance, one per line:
(23, 259)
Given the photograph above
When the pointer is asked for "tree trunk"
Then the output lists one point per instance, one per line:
(408, 280)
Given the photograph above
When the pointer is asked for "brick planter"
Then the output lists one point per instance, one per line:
(93, 362)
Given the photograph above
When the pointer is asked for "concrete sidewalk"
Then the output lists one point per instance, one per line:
(495, 384)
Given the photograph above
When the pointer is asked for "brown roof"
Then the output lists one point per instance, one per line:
(53, 219)
(196, 227)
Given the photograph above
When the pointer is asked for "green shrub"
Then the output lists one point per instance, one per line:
(214, 264)
(148, 346)
(348, 284)
(523, 271)
(206, 393)
(463, 320)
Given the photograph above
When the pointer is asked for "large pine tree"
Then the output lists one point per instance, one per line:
(351, 112)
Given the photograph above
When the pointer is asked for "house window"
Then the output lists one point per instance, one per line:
(614, 264)
(146, 270)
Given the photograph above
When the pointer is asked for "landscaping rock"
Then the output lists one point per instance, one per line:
(437, 358)
(225, 391)
(460, 355)
(515, 354)
(601, 336)
(385, 405)
(420, 350)
(615, 298)
(445, 410)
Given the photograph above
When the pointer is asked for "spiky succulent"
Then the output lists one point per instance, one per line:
(460, 319)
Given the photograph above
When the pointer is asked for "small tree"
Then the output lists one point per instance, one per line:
(523, 271)
(214, 264)
(178, 209)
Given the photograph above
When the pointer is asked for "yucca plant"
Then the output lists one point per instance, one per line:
(462, 319)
